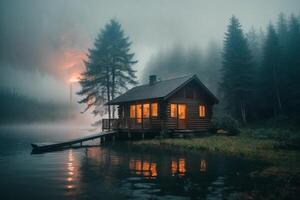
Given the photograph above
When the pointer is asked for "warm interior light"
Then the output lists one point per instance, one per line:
(201, 111)
(132, 111)
(154, 109)
(139, 113)
(181, 111)
(146, 110)
(173, 110)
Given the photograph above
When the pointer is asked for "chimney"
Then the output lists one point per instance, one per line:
(152, 79)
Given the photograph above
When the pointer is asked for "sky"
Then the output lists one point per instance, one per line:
(44, 42)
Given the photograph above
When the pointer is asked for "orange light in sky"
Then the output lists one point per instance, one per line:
(74, 79)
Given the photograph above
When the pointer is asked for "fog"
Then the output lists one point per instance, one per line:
(43, 43)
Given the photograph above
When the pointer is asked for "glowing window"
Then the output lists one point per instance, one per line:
(154, 109)
(146, 110)
(202, 111)
(139, 113)
(181, 111)
(174, 110)
(132, 111)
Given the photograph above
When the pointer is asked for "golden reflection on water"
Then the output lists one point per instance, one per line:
(174, 167)
(143, 168)
(70, 170)
(178, 167)
(203, 165)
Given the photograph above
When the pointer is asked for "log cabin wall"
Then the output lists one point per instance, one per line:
(192, 97)
(147, 123)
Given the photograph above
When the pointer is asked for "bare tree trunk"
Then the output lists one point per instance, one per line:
(277, 103)
(243, 113)
(113, 87)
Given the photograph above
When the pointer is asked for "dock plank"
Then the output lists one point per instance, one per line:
(54, 145)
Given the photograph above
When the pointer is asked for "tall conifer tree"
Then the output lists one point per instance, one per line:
(293, 63)
(109, 69)
(237, 71)
(271, 75)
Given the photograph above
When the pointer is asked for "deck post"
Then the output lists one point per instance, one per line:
(102, 124)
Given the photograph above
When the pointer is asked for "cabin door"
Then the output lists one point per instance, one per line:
(181, 116)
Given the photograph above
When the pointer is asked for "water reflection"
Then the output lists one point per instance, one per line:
(70, 171)
(126, 172)
(143, 168)
(203, 165)
(178, 167)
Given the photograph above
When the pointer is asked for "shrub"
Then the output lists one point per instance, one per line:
(226, 123)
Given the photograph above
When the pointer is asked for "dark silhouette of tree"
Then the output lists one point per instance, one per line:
(109, 69)
(237, 71)
(293, 64)
(271, 75)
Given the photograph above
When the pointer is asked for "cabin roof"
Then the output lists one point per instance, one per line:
(160, 89)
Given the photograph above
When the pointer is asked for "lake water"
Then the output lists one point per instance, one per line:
(117, 171)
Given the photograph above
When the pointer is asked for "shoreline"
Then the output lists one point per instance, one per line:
(281, 162)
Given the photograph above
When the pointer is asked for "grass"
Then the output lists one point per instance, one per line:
(282, 162)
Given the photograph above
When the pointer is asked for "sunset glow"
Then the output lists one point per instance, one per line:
(73, 80)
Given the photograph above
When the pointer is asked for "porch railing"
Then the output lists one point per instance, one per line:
(110, 124)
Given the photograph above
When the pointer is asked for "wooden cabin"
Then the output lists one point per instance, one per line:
(183, 103)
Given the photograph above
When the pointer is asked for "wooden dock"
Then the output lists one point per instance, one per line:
(41, 147)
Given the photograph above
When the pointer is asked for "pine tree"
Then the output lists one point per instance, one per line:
(282, 30)
(237, 71)
(255, 45)
(271, 76)
(293, 63)
(109, 69)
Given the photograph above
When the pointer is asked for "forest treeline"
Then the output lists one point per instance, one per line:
(260, 71)
(256, 74)
(16, 108)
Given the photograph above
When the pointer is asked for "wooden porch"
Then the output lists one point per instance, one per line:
(129, 124)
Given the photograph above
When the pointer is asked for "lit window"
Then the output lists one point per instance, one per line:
(201, 111)
(139, 113)
(181, 111)
(132, 111)
(173, 110)
(154, 110)
(146, 110)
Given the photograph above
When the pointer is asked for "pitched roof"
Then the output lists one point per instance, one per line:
(160, 89)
